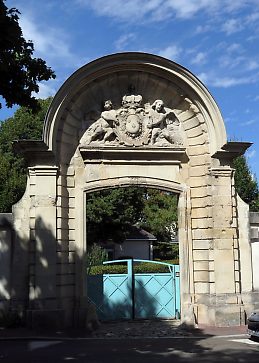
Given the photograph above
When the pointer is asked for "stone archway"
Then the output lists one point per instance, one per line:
(108, 127)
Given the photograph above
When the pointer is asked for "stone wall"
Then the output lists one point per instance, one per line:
(254, 238)
(6, 243)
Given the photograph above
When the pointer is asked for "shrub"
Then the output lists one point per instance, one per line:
(165, 250)
(96, 256)
(140, 267)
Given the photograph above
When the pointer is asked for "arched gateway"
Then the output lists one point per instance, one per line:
(134, 119)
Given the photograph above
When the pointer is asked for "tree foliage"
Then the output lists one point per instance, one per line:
(112, 212)
(23, 125)
(96, 255)
(20, 73)
(160, 214)
(246, 185)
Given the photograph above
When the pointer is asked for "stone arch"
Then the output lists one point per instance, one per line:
(183, 222)
(150, 182)
(190, 156)
(91, 84)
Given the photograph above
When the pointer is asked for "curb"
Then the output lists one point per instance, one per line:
(50, 338)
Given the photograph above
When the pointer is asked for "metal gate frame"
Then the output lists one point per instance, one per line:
(117, 297)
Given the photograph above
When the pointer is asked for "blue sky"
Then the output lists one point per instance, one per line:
(217, 40)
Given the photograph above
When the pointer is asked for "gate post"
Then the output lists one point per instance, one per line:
(131, 286)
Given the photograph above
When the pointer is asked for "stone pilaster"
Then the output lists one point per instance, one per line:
(224, 231)
(43, 261)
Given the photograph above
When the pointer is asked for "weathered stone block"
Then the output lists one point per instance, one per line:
(198, 150)
(201, 265)
(198, 171)
(200, 255)
(224, 271)
(201, 287)
(223, 244)
(194, 132)
(201, 244)
(199, 192)
(201, 276)
(198, 181)
(199, 140)
(228, 315)
(202, 223)
(189, 122)
(200, 234)
(198, 213)
(200, 160)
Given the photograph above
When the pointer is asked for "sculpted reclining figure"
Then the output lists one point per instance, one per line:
(103, 128)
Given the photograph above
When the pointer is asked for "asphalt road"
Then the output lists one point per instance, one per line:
(164, 350)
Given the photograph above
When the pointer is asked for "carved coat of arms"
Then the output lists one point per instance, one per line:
(134, 125)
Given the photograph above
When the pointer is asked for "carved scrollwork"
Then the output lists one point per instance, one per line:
(134, 125)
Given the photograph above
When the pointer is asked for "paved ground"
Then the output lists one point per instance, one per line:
(193, 349)
(130, 342)
(126, 329)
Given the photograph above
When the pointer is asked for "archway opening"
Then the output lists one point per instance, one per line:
(117, 215)
(133, 253)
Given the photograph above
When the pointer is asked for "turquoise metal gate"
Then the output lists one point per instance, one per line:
(136, 296)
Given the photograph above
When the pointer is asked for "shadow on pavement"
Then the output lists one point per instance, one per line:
(184, 345)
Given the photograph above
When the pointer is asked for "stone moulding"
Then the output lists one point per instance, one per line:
(174, 156)
(34, 151)
(186, 85)
(231, 150)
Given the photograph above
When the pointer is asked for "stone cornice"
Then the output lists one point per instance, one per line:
(35, 152)
(231, 150)
(43, 170)
(150, 155)
(222, 171)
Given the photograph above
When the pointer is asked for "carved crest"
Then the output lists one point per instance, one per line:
(134, 125)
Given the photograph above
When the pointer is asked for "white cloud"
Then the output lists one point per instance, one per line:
(171, 52)
(249, 122)
(234, 48)
(204, 77)
(213, 79)
(226, 82)
(49, 42)
(252, 65)
(130, 10)
(251, 154)
(158, 10)
(228, 120)
(232, 26)
(201, 29)
(45, 90)
(252, 17)
(200, 58)
(124, 40)
(230, 62)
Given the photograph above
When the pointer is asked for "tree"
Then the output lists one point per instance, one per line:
(23, 125)
(112, 212)
(20, 73)
(160, 214)
(246, 185)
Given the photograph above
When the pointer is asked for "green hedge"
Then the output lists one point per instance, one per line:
(142, 267)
